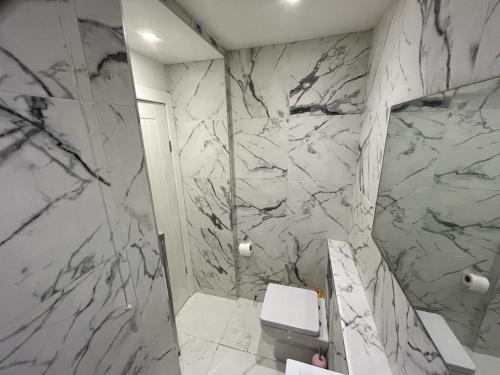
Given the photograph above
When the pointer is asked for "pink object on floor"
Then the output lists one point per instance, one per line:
(319, 361)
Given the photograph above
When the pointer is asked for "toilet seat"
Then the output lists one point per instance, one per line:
(291, 309)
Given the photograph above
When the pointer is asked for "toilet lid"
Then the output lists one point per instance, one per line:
(447, 344)
(291, 309)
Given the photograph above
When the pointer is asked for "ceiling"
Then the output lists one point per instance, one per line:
(250, 23)
(241, 23)
(179, 43)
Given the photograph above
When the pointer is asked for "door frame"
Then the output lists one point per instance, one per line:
(150, 95)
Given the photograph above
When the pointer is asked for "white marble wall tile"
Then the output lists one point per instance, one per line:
(414, 144)
(462, 222)
(407, 346)
(46, 140)
(372, 143)
(469, 151)
(120, 157)
(364, 351)
(105, 51)
(260, 148)
(487, 62)
(259, 82)
(82, 328)
(46, 67)
(261, 205)
(208, 210)
(360, 229)
(268, 263)
(328, 75)
(432, 282)
(148, 277)
(207, 203)
(423, 48)
(319, 210)
(488, 339)
(203, 148)
(306, 261)
(213, 260)
(198, 90)
(399, 216)
(450, 35)
(323, 148)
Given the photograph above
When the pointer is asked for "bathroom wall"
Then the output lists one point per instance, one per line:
(437, 207)
(148, 72)
(78, 239)
(418, 48)
(296, 114)
(199, 98)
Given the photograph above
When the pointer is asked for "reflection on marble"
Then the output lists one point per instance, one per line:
(203, 148)
(323, 148)
(122, 162)
(198, 90)
(328, 75)
(83, 327)
(258, 82)
(105, 51)
(407, 345)
(76, 191)
(260, 148)
(44, 69)
(39, 146)
(319, 210)
(364, 350)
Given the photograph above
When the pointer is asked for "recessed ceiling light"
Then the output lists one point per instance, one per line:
(292, 1)
(149, 36)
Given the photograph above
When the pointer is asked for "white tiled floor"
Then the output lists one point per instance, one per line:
(223, 336)
(485, 364)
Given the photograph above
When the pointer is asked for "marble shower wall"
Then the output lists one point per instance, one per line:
(418, 48)
(437, 207)
(199, 99)
(77, 240)
(296, 114)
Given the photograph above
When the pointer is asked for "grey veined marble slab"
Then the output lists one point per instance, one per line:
(364, 350)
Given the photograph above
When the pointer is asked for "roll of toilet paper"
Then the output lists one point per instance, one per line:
(245, 249)
(475, 283)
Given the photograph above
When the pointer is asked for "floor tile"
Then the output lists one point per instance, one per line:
(205, 316)
(485, 364)
(243, 330)
(232, 361)
(196, 354)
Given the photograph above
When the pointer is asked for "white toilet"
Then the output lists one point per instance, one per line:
(453, 353)
(293, 320)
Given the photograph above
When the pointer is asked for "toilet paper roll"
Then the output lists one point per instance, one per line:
(245, 249)
(475, 283)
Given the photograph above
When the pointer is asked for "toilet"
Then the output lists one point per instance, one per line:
(453, 353)
(293, 321)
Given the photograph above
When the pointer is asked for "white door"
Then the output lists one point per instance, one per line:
(161, 174)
